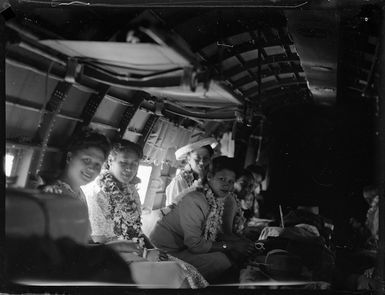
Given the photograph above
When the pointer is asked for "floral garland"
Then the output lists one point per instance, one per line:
(124, 208)
(239, 218)
(188, 175)
(214, 219)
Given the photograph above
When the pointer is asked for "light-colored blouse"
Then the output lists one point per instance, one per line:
(115, 210)
(178, 186)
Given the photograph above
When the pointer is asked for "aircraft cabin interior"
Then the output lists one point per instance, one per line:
(194, 145)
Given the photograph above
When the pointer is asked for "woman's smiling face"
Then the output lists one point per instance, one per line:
(199, 160)
(84, 165)
(222, 182)
(124, 166)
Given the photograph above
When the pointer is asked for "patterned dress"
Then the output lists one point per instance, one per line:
(118, 210)
(239, 218)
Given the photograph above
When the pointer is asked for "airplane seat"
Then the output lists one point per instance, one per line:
(30, 212)
(47, 243)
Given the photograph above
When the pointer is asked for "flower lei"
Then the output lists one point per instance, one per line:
(214, 219)
(188, 175)
(124, 208)
(239, 218)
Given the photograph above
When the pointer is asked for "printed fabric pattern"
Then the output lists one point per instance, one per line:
(194, 278)
(187, 175)
(123, 208)
(214, 218)
(239, 218)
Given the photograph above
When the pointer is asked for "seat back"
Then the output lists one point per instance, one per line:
(33, 213)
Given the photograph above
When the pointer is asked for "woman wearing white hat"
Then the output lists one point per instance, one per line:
(198, 156)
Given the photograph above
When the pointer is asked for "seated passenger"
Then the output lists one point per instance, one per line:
(85, 157)
(190, 230)
(362, 259)
(368, 232)
(115, 209)
(234, 221)
(197, 156)
(253, 204)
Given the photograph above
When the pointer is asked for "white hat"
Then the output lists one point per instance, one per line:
(184, 150)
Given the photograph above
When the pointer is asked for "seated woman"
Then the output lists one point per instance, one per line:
(367, 233)
(190, 230)
(362, 259)
(234, 221)
(85, 157)
(252, 203)
(198, 157)
(115, 208)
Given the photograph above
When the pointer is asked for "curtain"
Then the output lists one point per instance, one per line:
(227, 145)
(163, 141)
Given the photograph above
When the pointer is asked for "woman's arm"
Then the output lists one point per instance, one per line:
(193, 210)
(176, 187)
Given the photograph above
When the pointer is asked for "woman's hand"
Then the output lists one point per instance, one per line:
(163, 256)
(229, 238)
(52, 190)
(156, 255)
(242, 246)
(126, 247)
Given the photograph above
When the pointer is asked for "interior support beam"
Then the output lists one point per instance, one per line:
(147, 129)
(268, 61)
(273, 85)
(130, 112)
(47, 122)
(91, 107)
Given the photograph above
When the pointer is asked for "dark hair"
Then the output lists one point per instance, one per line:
(223, 162)
(256, 169)
(370, 192)
(372, 189)
(89, 138)
(210, 149)
(246, 173)
(126, 146)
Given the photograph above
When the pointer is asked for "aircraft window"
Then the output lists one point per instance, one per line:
(144, 173)
(16, 160)
(8, 164)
